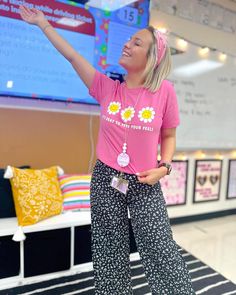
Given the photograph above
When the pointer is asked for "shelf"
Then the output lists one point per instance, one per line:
(8, 226)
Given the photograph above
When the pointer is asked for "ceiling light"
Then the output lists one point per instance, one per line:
(182, 44)
(162, 30)
(222, 56)
(203, 51)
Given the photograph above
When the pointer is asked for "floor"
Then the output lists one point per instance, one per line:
(212, 241)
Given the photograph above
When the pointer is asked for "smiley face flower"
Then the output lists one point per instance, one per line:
(114, 108)
(127, 114)
(146, 114)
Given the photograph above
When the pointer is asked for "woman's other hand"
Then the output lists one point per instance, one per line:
(31, 16)
(152, 176)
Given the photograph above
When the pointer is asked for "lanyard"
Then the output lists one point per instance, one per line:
(123, 158)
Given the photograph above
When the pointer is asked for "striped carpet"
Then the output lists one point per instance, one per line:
(205, 281)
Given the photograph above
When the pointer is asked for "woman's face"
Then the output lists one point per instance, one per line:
(134, 54)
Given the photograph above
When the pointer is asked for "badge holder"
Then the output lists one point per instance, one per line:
(120, 184)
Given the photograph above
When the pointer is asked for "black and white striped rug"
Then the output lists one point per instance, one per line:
(205, 281)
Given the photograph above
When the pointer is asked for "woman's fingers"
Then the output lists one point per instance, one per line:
(24, 10)
(147, 180)
(29, 15)
(35, 10)
(24, 16)
(149, 176)
(142, 179)
(27, 10)
(24, 13)
(142, 174)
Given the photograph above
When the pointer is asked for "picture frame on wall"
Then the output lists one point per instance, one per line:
(174, 186)
(207, 181)
(231, 182)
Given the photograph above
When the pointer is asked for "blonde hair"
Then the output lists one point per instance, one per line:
(153, 74)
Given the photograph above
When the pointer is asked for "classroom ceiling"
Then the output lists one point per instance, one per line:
(197, 33)
(230, 4)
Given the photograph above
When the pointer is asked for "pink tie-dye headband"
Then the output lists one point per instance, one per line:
(161, 46)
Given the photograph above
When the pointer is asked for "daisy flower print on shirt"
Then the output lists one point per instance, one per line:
(114, 108)
(146, 115)
(127, 114)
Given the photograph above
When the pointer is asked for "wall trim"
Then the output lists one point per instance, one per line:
(199, 217)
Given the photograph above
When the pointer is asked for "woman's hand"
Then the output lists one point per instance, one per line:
(32, 16)
(152, 176)
(82, 67)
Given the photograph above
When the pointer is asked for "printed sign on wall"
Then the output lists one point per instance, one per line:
(207, 180)
(231, 188)
(174, 186)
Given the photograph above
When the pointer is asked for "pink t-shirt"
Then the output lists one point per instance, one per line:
(137, 114)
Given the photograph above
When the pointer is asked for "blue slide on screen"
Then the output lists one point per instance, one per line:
(32, 68)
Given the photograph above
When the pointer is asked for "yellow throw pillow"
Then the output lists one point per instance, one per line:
(36, 194)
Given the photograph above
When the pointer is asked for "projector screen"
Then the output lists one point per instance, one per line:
(32, 68)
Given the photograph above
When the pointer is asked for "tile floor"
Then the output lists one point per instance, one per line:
(213, 241)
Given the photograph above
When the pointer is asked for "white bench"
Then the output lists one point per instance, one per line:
(8, 227)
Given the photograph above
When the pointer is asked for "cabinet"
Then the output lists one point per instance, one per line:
(9, 257)
(60, 245)
(47, 252)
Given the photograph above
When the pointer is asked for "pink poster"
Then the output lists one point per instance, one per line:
(174, 185)
(231, 188)
(207, 180)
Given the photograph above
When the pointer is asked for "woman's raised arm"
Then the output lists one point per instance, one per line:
(84, 69)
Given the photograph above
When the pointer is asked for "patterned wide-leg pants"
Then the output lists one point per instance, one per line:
(164, 266)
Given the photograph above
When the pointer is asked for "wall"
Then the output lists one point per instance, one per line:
(41, 139)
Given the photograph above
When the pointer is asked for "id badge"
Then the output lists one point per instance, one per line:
(120, 184)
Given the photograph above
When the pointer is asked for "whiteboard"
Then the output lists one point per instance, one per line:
(207, 101)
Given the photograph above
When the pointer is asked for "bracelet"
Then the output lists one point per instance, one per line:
(43, 29)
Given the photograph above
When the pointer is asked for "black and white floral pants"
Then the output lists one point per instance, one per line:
(164, 266)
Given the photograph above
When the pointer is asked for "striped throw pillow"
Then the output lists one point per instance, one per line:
(76, 191)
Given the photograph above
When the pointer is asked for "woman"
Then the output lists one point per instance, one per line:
(134, 115)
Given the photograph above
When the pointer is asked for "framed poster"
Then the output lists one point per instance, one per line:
(231, 186)
(174, 186)
(207, 180)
